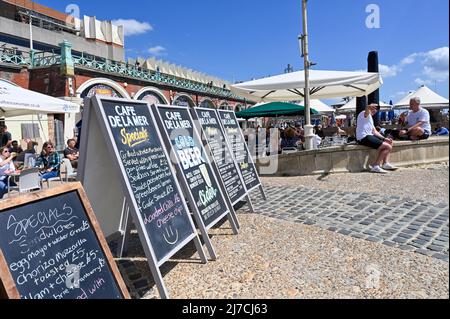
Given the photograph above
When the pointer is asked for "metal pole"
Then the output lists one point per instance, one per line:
(308, 127)
(31, 32)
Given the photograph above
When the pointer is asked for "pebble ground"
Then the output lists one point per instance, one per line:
(296, 253)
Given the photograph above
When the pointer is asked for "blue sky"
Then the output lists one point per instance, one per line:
(238, 40)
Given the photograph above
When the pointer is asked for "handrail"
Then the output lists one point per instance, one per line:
(14, 56)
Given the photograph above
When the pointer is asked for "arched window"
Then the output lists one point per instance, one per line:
(207, 104)
(224, 106)
(183, 100)
(152, 98)
(101, 86)
(100, 89)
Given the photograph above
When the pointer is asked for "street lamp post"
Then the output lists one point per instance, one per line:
(307, 64)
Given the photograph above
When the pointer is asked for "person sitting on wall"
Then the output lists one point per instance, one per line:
(418, 119)
(49, 161)
(440, 130)
(367, 135)
(72, 153)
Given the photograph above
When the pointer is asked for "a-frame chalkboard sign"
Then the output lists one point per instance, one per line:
(52, 247)
(214, 136)
(240, 150)
(141, 165)
(196, 170)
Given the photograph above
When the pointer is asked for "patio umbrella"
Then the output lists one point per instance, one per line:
(274, 109)
(16, 101)
(324, 84)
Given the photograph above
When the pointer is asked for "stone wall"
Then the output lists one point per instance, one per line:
(356, 158)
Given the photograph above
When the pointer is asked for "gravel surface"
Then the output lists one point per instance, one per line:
(274, 258)
(427, 182)
(278, 259)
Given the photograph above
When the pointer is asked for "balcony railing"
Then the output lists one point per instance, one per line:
(48, 59)
(45, 59)
(137, 72)
(14, 57)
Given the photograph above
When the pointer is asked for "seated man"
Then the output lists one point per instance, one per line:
(15, 148)
(366, 134)
(440, 130)
(72, 153)
(418, 120)
(30, 150)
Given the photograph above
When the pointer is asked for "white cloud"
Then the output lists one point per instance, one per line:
(133, 27)
(410, 59)
(420, 81)
(157, 50)
(389, 71)
(436, 64)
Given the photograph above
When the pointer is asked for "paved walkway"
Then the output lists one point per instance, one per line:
(409, 224)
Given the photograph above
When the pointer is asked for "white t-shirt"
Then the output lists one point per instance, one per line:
(364, 126)
(5, 168)
(421, 115)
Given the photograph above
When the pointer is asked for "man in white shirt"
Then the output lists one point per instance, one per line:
(367, 135)
(418, 120)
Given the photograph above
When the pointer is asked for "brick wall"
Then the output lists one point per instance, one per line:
(20, 77)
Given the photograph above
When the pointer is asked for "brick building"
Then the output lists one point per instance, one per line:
(74, 58)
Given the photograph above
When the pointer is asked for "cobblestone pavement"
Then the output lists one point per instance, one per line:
(428, 183)
(405, 223)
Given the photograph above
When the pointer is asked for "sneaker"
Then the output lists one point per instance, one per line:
(377, 169)
(389, 167)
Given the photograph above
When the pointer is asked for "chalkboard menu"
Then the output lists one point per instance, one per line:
(239, 148)
(228, 169)
(194, 163)
(51, 248)
(147, 171)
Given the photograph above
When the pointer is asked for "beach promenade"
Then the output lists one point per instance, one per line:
(331, 236)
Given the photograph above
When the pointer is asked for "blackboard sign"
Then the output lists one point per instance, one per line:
(146, 169)
(194, 163)
(239, 148)
(229, 171)
(52, 248)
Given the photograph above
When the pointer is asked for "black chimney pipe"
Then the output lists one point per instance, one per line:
(374, 98)
(361, 103)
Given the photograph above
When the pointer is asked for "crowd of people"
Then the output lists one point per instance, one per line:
(13, 158)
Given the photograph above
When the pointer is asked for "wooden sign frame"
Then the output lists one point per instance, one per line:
(9, 287)
(249, 155)
(195, 114)
(197, 215)
(97, 111)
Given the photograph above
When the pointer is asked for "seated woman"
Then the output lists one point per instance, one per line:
(289, 140)
(49, 161)
(6, 167)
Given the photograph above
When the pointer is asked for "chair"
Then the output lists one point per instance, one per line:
(57, 178)
(29, 180)
(29, 160)
(68, 171)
